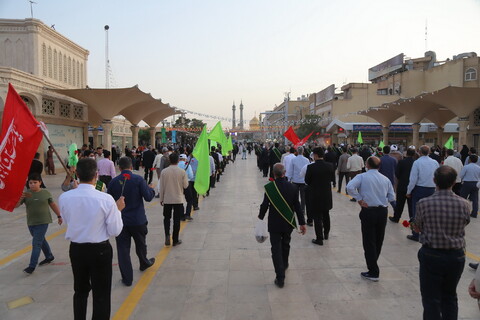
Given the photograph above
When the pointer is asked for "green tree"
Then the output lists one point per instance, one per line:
(143, 137)
(311, 122)
(195, 123)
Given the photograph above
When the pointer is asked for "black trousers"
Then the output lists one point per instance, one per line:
(301, 190)
(105, 179)
(92, 270)
(440, 272)
(148, 175)
(401, 199)
(212, 181)
(265, 170)
(194, 194)
(177, 216)
(374, 221)
(321, 221)
(340, 179)
(308, 204)
(280, 242)
(189, 198)
(124, 241)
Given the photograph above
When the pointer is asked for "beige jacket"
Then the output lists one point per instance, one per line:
(173, 181)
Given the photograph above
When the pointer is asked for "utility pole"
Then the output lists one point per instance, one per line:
(287, 98)
(31, 7)
(107, 67)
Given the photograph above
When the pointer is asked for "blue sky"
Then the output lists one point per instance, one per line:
(202, 55)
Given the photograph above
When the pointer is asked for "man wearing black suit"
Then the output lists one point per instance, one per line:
(264, 161)
(319, 178)
(402, 173)
(148, 158)
(332, 157)
(279, 228)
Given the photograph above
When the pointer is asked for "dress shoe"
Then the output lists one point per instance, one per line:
(177, 243)
(46, 261)
(393, 219)
(474, 266)
(279, 283)
(325, 237)
(196, 208)
(353, 200)
(125, 283)
(152, 261)
(473, 216)
(318, 242)
(338, 191)
(167, 240)
(182, 218)
(412, 237)
(368, 276)
(157, 196)
(310, 224)
(188, 218)
(28, 270)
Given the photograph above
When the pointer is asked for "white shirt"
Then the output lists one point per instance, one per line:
(286, 162)
(91, 216)
(294, 168)
(156, 161)
(355, 163)
(456, 164)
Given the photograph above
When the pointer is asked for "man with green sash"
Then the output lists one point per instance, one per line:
(281, 201)
(274, 156)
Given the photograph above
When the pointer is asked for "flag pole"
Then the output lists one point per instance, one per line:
(56, 153)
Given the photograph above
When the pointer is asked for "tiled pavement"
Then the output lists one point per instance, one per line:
(221, 272)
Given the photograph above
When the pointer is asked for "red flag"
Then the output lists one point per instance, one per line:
(291, 135)
(19, 140)
(302, 142)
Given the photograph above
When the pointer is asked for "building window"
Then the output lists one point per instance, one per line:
(78, 112)
(476, 118)
(64, 110)
(28, 102)
(60, 69)
(74, 74)
(382, 92)
(44, 59)
(69, 70)
(470, 74)
(48, 107)
(78, 74)
(82, 83)
(55, 64)
(65, 68)
(50, 69)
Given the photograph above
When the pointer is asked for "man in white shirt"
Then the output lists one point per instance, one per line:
(456, 164)
(355, 165)
(92, 217)
(288, 158)
(294, 175)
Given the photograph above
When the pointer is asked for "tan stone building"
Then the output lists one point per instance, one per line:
(275, 122)
(409, 101)
(34, 57)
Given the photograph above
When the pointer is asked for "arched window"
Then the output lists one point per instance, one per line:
(50, 67)
(470, 74)
(44, 59)
(60, 66)
(69, 70)
(74, 73)
(55, 64)
(65, 68)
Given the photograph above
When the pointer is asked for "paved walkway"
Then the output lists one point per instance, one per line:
(221, 272)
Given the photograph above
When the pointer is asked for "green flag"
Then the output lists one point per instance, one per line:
(449, 143)
(229, 144)
(164, 136)
(213, 144)
(217, 134)
(381, 144)
(201, 153)
(359, 138)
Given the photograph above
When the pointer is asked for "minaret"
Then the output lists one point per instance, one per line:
(241, 115)
(233, 115)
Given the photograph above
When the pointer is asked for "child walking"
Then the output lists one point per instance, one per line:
(38, 202)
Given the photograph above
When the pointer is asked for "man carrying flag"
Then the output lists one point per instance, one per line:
(281, 199)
